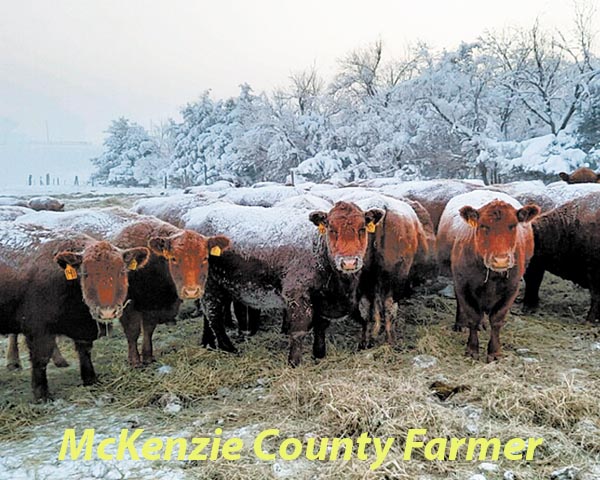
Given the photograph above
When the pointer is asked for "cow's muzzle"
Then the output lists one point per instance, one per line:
(192, 292)
(349, 264)
(500, 263)
(107, 314)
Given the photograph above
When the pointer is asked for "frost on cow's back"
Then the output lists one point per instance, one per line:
(253, 226)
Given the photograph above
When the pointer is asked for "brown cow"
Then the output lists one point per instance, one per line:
(46, 203)
(581, 175)
(277, 263)
(78, 298)
(177, 271)
(567, 243)
(401, 252)
(491, 242)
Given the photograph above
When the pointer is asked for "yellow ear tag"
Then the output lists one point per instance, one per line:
(215, 251)
(322, 228)
(371, 227)
(70, 273)
(133, 264)
(472, 223)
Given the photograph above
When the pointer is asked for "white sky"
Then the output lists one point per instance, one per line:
(79, 64)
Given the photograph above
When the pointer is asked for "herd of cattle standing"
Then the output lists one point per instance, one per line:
(309, 254)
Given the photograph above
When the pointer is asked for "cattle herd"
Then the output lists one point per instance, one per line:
(307, 254)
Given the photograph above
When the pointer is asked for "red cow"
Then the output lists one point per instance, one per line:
(581, 175)
(491, 243)
(42, 301)
(177, 271)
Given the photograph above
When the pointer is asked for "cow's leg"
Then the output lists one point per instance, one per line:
(12, 353)
(533, 279)
(375, 314)
(467, 315)
(148, 326)
(40, 351)
(365, 336)
(132, 324)
(497, 320)
(242, 315)
(214, 334)
(390, 309)
(86, 368)
(320, 326)
(57, 357)
(593, 315)
(300, 314)
(253, 320)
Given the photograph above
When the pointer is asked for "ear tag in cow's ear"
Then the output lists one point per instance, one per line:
(371, 227)
(322, 229)
(215, 251)
(133, 264)
(472, 223)
(70, 273)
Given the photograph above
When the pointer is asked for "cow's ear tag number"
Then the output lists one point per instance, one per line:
(70, 273)
(322, 229)
(472, 223)
(215, 251)
(371, 227)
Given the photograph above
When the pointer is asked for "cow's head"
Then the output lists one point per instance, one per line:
(346, 228)
(581, 175)
(187, 255)
(495, 227)
(102, 270)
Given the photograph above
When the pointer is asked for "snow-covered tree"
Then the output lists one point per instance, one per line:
(131, 157)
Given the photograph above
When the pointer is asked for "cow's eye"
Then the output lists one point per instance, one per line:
(173, 260)
(512, 227)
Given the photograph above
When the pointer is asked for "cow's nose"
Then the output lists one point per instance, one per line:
(350, 264)
(110, 313)
(191, 292)
(501, 261)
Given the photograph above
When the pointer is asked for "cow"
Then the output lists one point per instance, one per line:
(277, 262)
(46, 203)
(177, 271)
(567, 243)
(100, 224)
(581, 175)
(489, 238)
(401, 251)
(54, 283)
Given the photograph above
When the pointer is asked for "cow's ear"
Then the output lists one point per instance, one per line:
(564, 176)
(373, 217)
(70, 263)
(161, 246)
(528, 213)
(469, 215)
(136, 258)
(65, 259)
(217, 244)
(319, 219)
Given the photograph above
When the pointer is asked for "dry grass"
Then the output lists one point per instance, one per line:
(377, 391)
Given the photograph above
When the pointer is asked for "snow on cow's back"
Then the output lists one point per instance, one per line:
(384, 202)
(172, 208)
(533, 191)
(305, 201)
(345, 194)
(431, 189)
(18, 238)
(97, 223)
(8, 213)
(562, 192)
(261, 196)
(249, 227)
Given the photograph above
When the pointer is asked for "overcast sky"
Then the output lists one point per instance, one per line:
(78, 64)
